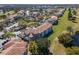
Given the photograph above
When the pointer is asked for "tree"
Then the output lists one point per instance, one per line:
(77, 32)
(15, 10)
(74, 50)
(39, 47)
(32, 24)
(1, 26)
(3, 16)
(71, 15)
(65, 39)
(74, 12)
(8, 34)
(43, 45)
(33, 47)
(40, 10)
(22, 23)
(70, 30)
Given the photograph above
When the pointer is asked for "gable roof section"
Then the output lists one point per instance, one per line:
(17, 47)
(42, 27)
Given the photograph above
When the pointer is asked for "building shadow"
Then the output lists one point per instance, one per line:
(46, 36)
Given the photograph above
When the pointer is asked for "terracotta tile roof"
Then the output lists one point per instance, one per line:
(39, 29)
(54, 17)
(42, 27)
(17, 47)
(13, 50)
(29, 30)
(8, 44)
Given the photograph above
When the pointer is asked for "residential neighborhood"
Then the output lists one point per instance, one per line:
(39, 29)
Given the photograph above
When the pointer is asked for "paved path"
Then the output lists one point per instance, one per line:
(16, 24)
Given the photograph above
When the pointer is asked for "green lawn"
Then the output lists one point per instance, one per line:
(77, 20)
(62, 25)
(10, 12)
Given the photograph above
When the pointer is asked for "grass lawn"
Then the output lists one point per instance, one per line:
(62, 25)
(55, 47)
(10, 12)
(77, 20)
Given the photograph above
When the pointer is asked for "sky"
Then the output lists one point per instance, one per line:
(39, 1)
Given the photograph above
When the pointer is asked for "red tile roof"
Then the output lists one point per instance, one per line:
(14, 47)
(54, 17)
(42, 27)
(8, 44)
(39, 29)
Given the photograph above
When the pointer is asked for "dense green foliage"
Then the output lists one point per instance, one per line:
(71, 15)
(39, 47)
(22, 23)
(33, 47)
(70, 30)
(65, 39)
(3, 16)
(8, 34)
(72, 50)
